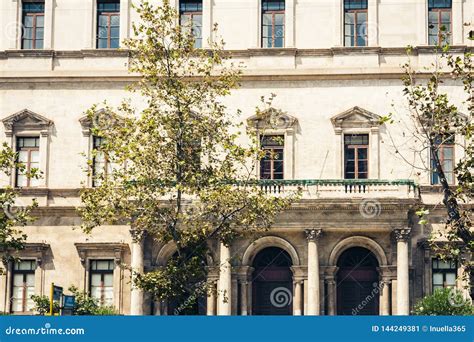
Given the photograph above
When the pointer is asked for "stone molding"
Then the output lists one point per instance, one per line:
(27, 120)
(269, 241)
(356, 117)
(272, 118)
(31, 250)
(102, 249)
(237, 53)
(358, 241)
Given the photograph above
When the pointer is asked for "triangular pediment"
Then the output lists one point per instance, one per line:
(27, 120)
(356, 117)
(272, 118)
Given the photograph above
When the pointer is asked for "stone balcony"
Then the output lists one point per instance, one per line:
(343, 188)
(58, 200)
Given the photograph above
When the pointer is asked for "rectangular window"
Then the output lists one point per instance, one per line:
(28, 154)
(445, 146)
(102, 281)
(273, 23)
(355, 22)
(190, 16)
(356, 156)
(32, 35)
(271, 166)
(108, 24)
(444, 274)
(23, 285)
(439, 22)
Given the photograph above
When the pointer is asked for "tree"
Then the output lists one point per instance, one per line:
(178, 170)
(436, 121)
(13, 217)
(444, 302)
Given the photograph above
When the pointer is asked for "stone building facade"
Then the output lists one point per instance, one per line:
(351, 245)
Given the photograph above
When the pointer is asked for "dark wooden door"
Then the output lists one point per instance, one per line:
(357, 283)
(272, 285)
(272, 298)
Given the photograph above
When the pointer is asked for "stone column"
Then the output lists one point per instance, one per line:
(331, 297)
(313, 236)
(211, 299)
(385, 298)
(244, 308)
(298, 298)
(136, 298)
(403, 302)
(225, 283)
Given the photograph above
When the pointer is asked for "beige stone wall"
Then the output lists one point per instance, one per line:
(314, 78)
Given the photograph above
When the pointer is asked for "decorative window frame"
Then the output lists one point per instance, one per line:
(207, 24)
(428, 254)
(32, 251)
(289, 41)
(90, 28)
(88, 142)
(104, 251)
(358, 121)
(459, 153)
(26, 123)
(17, 17)
(277, 122)
(372, 20)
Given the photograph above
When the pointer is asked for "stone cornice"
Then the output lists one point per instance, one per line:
(113, 249)
(238, 53)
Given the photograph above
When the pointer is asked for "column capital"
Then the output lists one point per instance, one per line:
(138, 235)
(313, 234)
(402, 234)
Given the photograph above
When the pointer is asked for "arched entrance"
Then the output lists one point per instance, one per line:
(272, 286)
(191, 302)
(357, 283)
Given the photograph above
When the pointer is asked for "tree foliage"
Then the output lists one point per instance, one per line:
(436, 121)
(85, 305)
(12, 215)
(444, 302)
(180, 169)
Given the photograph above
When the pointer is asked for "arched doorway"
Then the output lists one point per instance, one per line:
(357, 283)
(272, 286)
(191, 302)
